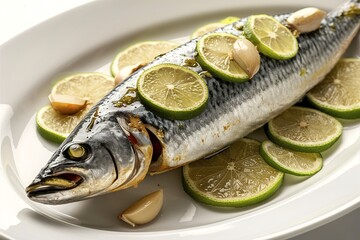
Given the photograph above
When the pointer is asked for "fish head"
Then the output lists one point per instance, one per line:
(114, 154)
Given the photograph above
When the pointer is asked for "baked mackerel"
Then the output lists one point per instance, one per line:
(120, 141)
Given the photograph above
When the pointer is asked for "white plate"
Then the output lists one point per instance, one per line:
(87, 38)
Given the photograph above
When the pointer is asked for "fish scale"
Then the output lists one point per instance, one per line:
(233, 111)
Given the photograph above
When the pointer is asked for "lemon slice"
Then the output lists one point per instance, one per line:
(271, 37)
(292, 162)
(56, 127)
(140, 53)
(339, 93)
(173, 91)
(215, 55)
(207, 28)
(236, 177)
(304, 129)
(91, 86)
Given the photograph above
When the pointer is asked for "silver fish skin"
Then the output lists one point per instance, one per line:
(119, 142)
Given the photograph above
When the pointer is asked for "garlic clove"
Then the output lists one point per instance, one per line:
(306, 19)
(247, 56)
(143, 210)
(66, 104)
(125, 72)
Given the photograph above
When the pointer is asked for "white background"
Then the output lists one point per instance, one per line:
(17, 16)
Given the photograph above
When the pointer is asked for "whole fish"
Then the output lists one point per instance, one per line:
(120, 141)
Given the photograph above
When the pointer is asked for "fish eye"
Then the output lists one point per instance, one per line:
(77, 151)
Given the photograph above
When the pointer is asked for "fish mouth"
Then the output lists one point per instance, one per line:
(59, 182)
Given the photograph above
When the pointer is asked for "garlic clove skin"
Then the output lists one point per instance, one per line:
(247, 56)
(66, 104)
(125, 72)
(143, 210)
(306, 19)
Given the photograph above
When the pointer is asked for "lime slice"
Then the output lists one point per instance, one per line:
(229, 20)
(304, 129)
(56, 127)
(206, 28)
(236, 177)
(173, 91)
(271, 37)
(339, 93)
(292, 162)
(215, 55)
(140, 53)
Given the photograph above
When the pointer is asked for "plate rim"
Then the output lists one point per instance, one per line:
(338, 212)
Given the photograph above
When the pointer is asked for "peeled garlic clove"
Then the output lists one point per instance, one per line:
(144, 210)
(125, 72)
(66, 104)
(306, 19)
(247, 56)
